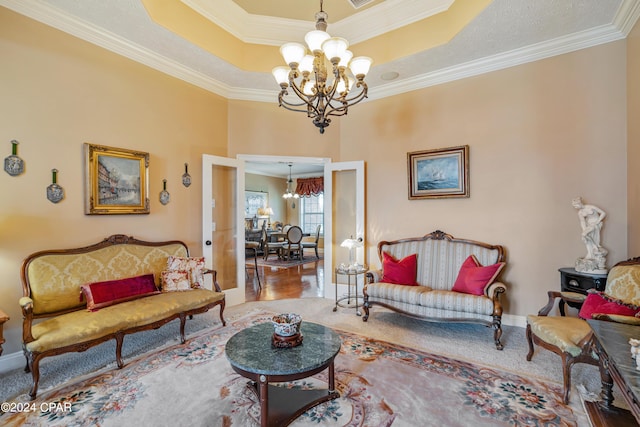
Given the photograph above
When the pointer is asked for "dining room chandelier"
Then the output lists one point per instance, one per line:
(288, 194)
(319, 93)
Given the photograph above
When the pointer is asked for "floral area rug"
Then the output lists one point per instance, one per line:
(380, 384)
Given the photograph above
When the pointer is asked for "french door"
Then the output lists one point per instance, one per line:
(223, 216)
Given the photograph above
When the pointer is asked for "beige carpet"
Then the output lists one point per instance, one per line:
(470, 343)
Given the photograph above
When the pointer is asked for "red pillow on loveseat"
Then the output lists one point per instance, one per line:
(600, 303)
(402, 272)
(473, 278)
(103, 294)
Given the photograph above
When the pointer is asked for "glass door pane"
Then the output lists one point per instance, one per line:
(223, 223)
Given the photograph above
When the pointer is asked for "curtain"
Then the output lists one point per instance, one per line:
(310, 186)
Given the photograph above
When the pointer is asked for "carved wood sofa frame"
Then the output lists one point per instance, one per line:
(188, 303)
(405, 300)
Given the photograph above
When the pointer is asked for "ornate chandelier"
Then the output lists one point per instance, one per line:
(321, 95)
(288, 194)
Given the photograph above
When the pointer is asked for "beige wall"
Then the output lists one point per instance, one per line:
(59, 92)
(266, 129)
(539, 135)
(633, 143)
(275, 187)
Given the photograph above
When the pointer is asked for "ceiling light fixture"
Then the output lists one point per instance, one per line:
(321, 95)
(288, 194)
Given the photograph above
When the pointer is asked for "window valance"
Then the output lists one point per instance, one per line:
(310, 186)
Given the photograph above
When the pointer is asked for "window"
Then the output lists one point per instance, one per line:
(311, 213)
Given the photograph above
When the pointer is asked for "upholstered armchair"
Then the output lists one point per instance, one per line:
(571, 337)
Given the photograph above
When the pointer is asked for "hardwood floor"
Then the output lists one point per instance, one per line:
(306, 280)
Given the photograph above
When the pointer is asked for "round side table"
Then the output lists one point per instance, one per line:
(350, 273)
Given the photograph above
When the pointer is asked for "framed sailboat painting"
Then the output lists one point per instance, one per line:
(439, 173)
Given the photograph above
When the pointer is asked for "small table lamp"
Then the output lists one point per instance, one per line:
(266, 212)
(352, 243)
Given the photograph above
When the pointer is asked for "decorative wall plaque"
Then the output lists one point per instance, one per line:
(55, 193)
(164, 194)
(14, 165)
(186, 178)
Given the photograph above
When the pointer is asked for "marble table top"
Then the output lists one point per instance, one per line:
(251, 350)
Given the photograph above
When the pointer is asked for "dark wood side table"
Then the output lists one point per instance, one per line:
(616, 366)
(575, 281)
(3, 319)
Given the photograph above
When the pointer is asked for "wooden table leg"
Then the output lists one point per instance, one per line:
(3, 319)
(332, 379)
(264, 401)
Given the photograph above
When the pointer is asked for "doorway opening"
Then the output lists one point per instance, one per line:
(273, 177)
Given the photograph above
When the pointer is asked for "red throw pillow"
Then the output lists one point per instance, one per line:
(103, 294)
(474, 278)
(600, 303)
(401, 272)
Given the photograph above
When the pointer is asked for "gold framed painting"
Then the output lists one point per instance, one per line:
(116, 181)
(440, 173)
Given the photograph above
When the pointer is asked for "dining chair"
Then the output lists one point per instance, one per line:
(292, 245)
(311, 242)
(253, 247)
(271, 247)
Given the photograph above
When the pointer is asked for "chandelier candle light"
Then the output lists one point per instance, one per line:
(308, 77)
(288, 194)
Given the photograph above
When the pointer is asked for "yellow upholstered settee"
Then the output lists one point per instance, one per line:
(439, 257)
(52, 281)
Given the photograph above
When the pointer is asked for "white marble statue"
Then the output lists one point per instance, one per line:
(591, 219)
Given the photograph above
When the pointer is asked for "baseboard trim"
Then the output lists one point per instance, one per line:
(12, 361)
(514, 320)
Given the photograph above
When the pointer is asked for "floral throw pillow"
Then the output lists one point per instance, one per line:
(175, 280)
(194, 266)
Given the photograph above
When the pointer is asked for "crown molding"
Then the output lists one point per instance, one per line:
(55, 18)
(628, 14)
(268, 30)
(547, 49)
(385, 17)
(258, 95)
(246, 27)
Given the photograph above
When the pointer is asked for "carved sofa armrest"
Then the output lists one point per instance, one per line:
(373, 276)
(494, 290)
(565, 296)
(214, 278)
(26, 304)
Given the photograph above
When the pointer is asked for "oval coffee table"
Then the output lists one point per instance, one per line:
(252, 355)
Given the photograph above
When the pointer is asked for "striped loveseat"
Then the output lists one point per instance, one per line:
(439, 258)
